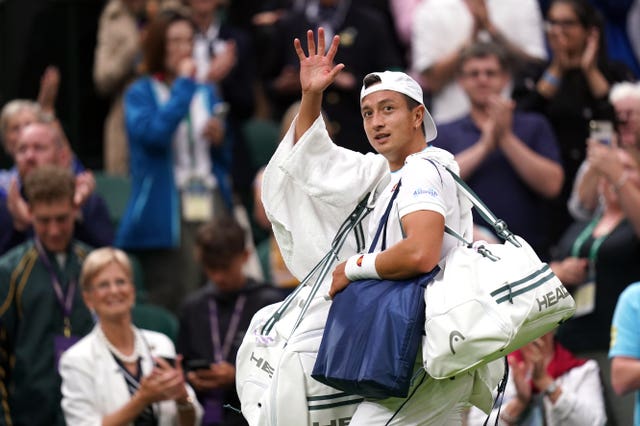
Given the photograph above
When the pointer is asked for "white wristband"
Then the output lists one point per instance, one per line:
(361, 267)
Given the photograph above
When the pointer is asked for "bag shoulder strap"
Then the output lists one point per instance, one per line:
(498, 225)
(320, 270)
(382, 225)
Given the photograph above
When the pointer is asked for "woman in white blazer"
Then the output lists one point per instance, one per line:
(118, 374)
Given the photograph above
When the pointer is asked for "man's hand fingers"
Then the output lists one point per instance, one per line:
(311, 43)
(298, 46)
(333, 49)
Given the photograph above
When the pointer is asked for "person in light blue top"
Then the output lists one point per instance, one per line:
(625, 346)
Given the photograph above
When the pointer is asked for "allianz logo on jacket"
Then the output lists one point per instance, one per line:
(422, 191)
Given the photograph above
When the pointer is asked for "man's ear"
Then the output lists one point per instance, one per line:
(419, 114)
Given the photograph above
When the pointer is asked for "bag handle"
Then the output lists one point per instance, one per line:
(352, 222)
(498, 225)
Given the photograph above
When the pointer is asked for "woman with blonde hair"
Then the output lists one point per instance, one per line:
(118, 374)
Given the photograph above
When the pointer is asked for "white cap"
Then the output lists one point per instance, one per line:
(400, 82)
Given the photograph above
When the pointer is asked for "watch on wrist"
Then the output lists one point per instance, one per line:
(551, 389)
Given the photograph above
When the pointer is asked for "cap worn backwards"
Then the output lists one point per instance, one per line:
(402, 83)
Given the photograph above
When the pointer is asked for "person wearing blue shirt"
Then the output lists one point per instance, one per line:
(625, 346)
(503, 153)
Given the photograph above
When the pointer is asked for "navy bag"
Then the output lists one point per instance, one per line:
(373, 333)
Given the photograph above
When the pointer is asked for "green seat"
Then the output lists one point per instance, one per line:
(115, 190)
(155, 318)
(262, 138)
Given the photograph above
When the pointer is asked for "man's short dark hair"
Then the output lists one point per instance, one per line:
(485, 49)
(49, 184)
(219, 242)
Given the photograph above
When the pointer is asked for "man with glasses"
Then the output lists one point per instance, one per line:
(511, 159)
(41, 308)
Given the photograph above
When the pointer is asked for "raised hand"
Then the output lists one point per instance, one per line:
(221, 65)
(538, 354)
(604, 160)
(478, 9)
(589, 59)
(49, 85)
(187, 67)
(501, 111)
(164, 383)
(572, 271)
(521, 373)
(18, 207)
(85, 185)
(317, 70)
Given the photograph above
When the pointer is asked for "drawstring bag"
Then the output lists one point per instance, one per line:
(373, 333)
(372, 337)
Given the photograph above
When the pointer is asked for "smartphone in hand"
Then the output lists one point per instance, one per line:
(602, 131)
(198, 364)
(170, 361)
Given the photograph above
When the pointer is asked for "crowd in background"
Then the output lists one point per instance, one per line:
(538, 101)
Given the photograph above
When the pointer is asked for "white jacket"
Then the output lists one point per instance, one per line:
(93, 385)
(309, 188)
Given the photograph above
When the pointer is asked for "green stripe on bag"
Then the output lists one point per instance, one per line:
(510, 287)
(335, 404)
(330, 396)
(533, 286)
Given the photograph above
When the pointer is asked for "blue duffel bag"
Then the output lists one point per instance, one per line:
(372, 337)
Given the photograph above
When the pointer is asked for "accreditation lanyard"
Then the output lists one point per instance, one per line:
(191, 142)
(64, 300)
(221, 351)
(584, 236)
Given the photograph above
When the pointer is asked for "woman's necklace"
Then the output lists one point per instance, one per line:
(127, 359)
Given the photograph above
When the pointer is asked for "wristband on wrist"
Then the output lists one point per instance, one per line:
(551, 79)
(361, 267)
